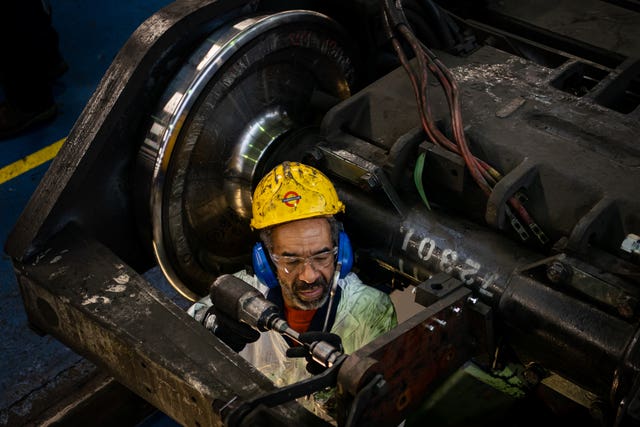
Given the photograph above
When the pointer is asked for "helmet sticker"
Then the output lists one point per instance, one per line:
(291, 199)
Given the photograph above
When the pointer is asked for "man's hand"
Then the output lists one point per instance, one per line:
(314, 367)
(235, 334)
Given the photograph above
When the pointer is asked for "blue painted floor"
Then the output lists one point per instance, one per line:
(91, 33)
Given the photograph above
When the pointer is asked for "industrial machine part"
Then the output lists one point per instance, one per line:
(381, 369)
(487, 157)
(243, 303)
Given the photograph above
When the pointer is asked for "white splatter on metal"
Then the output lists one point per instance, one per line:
(60, 271)
(40, 256)
(97, 299)
(117, 288)
(122, 279)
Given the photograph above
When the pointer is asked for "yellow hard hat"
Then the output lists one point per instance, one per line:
(293, 191)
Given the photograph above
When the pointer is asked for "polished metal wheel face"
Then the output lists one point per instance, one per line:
(226, 117)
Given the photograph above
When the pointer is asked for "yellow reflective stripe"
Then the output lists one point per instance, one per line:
(31, 161)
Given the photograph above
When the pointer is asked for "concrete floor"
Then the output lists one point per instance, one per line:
(32, 366)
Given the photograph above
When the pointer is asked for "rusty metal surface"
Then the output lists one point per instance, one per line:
(413, 358)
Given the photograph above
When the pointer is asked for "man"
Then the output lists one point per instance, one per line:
(302, 248)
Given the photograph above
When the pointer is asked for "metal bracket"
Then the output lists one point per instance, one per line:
(235, 412)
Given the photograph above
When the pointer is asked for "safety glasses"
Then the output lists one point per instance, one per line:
(295, 264)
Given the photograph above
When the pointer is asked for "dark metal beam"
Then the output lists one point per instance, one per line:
(83, 294)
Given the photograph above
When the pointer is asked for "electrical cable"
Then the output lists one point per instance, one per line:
(486, 177)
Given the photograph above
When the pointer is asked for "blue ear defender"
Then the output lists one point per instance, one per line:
(345, 254)
(261, 266)
(264, 272)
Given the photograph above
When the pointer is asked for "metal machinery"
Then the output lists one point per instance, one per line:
(488, 157)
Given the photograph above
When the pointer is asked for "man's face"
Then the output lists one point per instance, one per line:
(307, 286)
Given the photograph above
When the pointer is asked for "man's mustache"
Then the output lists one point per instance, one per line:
(303, 286)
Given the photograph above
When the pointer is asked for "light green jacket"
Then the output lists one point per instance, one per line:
(363, 314)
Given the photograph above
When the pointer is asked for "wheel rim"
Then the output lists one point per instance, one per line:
(221, 123)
